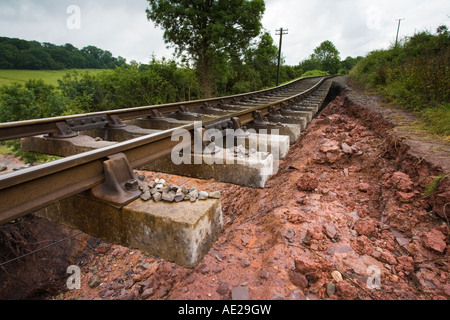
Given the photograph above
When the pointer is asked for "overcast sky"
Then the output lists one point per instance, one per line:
(355, 26)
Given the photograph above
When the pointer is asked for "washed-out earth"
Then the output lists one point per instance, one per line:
(346, 217)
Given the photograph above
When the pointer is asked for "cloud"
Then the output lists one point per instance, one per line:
(118, 26)
(355, 26)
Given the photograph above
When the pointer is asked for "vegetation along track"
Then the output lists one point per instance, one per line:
(50, 182)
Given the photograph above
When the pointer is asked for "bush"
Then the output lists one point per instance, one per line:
(414, 75)
(314, 73)
(33, 100)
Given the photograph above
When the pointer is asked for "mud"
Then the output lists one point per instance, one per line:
(345, 218)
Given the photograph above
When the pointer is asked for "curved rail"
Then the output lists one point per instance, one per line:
(50, 182)
(65, 126)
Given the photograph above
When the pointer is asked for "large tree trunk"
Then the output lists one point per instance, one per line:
(204, 68)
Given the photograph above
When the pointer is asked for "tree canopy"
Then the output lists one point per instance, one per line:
(32, 55)
(207, 32)
(327, 56)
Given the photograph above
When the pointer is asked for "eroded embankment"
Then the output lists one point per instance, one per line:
(347, 202)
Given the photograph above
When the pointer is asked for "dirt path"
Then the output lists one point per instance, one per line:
(344, 218)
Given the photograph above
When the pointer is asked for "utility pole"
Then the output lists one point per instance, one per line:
(398, 29)
(280, 32)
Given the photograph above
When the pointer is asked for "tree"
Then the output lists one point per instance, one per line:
(206, 29)
(33, 100)
(22, 54)
(442, 29)
(349, 63)
(328, 57)
(263, 58)
(8, 56)
(309, 64)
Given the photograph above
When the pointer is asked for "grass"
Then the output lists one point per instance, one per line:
(27, 157)
(437, 120)
(4, 149)
(413, 76)
(433, 185)
(49, 76)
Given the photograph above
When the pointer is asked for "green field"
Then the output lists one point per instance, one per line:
(49, 76)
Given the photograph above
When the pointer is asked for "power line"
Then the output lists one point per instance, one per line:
(280, 32)
(40, 249)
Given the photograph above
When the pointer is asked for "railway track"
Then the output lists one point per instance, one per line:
(145, 136)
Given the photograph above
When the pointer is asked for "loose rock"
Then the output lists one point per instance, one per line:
(363, 187)
(298, 279)
(147, 293)
(330, 231)
(337, 276)
(401, 181)
(191, 278)
(245, 263)
(346, 148)
(331, 288)
(308, 182)
(240, 293)
(434, 240)
(223, 288)
(265, 274)
(94, 281)
(316, 286)
(346, 291)
(366, 227)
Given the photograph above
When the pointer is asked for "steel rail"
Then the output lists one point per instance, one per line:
(28, 128)
(34, 188)
(245, 115)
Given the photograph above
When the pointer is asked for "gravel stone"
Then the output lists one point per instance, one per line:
(215, 195)
(193, 195)
(157, 196)
(146, 195)
(245, 263)
(168, 196)
(203, 195)
(179, 196)
(94, 281)
(223, 289)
